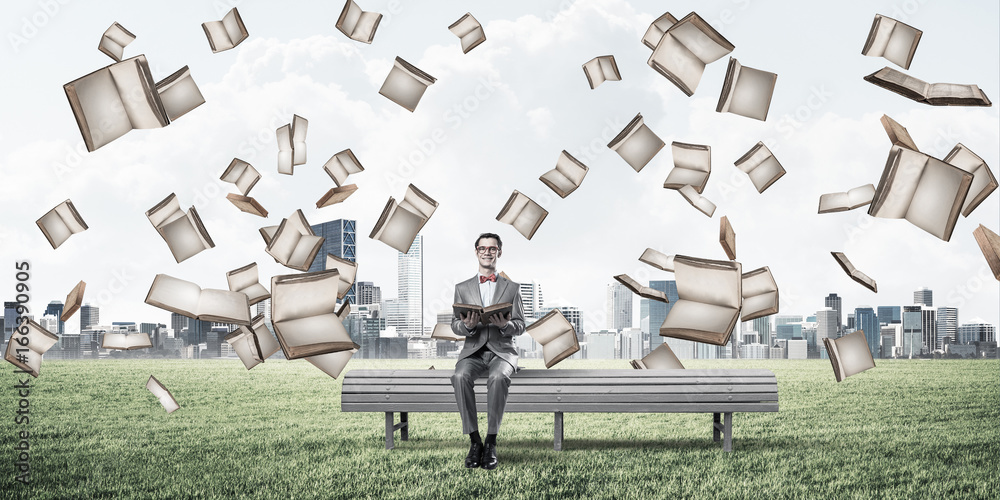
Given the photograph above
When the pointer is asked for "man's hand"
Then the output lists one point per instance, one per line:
(499, 320)
(470, 319)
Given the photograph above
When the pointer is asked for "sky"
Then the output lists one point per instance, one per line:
(494, 121)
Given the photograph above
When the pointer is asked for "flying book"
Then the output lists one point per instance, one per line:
(253, 343)
(692, 166)
(696, 200)
(567, 176)
(727, 237)
(60, 223)
(935, 94)
(246, 280)
(760, 294)
(656, 30)
(357, 24)
(556, 335)
(400, 222)
(294, 245)
(841, 202)
(292, 144)
(336, 195)
(73, 301)
(162, 394)
(114, 40)
(522, 213)
(247, 204)
(341, 165)
(443, 331)
(989, 244)
(640, 289)
(347, 270)
(469, 31)
(183, 232)
(658, 260)
(849, 354)
(983, 181)
(126, 342)
(892, 40)
(897, 133)
(601, 69)
(636, 144)
(267, 233)
(661, 358)
(503, 308)
(684, 50)
(853, 272)
(761, 165)
(27, 354)
(405, 84)
(189, 299)
(923, 190)
(227, 33)
(113, 100)
(304, 314)
(710, 297)
(332, 363)
(242, 174)
(746, 91)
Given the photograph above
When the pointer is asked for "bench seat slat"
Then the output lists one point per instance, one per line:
(574, 373)
(568, 398)
(572, 407)
(571, 381)
(576, 389)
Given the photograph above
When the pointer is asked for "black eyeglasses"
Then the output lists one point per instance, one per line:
(487, 249)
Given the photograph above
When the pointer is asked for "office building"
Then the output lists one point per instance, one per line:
(631, 343)
(888, 315)
(976, 330)
(827, 323)
(912, 330)
(683, 349)
(866, 320)
(340, 240)
(928, 324)
(947, 325)
(763, 328)
(367, 293)
(601, 345)
(833, 301)
(923, 296)
(618, 307)
(531, 298)
(55, 308)
(90, 316)
(797, 349)
(891, 344)
(409, 307)
(9, 319)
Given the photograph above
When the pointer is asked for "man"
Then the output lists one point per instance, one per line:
(488, 348)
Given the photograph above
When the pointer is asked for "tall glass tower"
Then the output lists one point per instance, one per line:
(340, 240)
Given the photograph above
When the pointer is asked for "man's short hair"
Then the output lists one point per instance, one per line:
(489, 235)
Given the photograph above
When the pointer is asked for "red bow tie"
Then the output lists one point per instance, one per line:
(484, 279)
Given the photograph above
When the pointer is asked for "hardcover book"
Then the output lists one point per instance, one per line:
(692, 166)
(640, 289)
(443, 331)
(183, 232)
(246, 280)
(357, 24)
(227, 33)
(522, 213)
(760, 294)
(989, 244)
(126, 342)
(247, 204)
(469, 31)
(114, 40)
(934, 94)
(601, 69)
(242, 174)
(892, 40)
(849, 355)
(656, 30)
(897, 133)
(696, 200)
(400, 222)
(853, 272)
(636, 144)
(761, 165)
(60, 223)
(304, 314)
(727, 237)
(189, 299)
(567, 176)
(746, 91)
(162, 394)
(347, 270)
(332, 363)
(658, 260)
(405, 84)
(983, 181)
(254, 343)
(73, 301)
(840, 202)
(294, 245)
(292, 144)
(556, 335)
(710, 297)
(684, 50)
(503, 308)
(28, 357)
(661, 358)
(341, 165)
(336, 195)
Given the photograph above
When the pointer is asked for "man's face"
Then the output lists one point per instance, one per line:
(488, 257)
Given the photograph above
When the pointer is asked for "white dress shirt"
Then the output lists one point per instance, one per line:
(486, 291)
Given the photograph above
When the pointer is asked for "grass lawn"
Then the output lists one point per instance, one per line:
(906, 429)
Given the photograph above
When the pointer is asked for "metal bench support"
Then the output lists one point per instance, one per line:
(558, 431)
(725, 429)
(391, 426)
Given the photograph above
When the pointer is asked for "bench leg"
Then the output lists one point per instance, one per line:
(558, 431)
(727, 442)
(404, 426)
(716, 427)
(390, 429)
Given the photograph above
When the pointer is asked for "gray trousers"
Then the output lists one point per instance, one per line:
(467, 370)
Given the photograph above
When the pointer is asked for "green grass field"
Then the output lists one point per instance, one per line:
(906, 429)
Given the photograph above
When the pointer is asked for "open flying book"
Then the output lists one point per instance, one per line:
(760, 294)
(685, 48)
(443, 331)
(292, 144)
(935, 94)
(246, 280)
(267, 233)
(242, 174)
(336, 195)
(983, 181)
(657, 28)
(727, 237)
(897, 133)
(658, 260)
(853, 272)
(923, 190)
(304, 314)
(332, 363)
(661, 358)
(522, 213)
(761, 165)
(636, 144)
(469, 31)
(60, 223)
(989, 244)
(405, 84)
(567, 176)
(556, 335)
(400, 222)
(247, 204)
(892, 40)
(357, 24)
(696, 200)
(73, 301)
(114, 40)
(849, 354)
(692, 166)
(503, 308)
(162, 394)
(710, 297)
(253, 343)
(341, 165)
(840, 202)
(746, 91)
(346, 269)
(126, 342)
(640, 289)
(601, 69)
(25, 350)
(227, 33)
(294, 245)
(183, 232)
(189, 299)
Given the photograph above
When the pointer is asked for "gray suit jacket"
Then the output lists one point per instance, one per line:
(501, 342)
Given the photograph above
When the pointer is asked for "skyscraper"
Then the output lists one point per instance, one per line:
(340, 240)
(55, 308)
(763, 328)
(684, 349)
(947, 324)
(866, 319)
(367, 293)
(976, 330)
(178, 322)
(89, 316)
(9, 319)
(888, 315)
(912, 332)
(618, 307)
(833, 301)
(826, 325)
(410, 269)
(923, 296)
(531, 299)
(928, 324)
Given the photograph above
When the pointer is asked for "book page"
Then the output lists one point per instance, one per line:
(284, 137)
(902, 176)
(834, 202)
(662, 358)
(311, 330)
(175, 295)
(952, 91)
(550, 327)
(365, 28)
(938, 197)
(558, 182)
(400, 229)
(404, 87)
(571, 168)
(672, 59)
(284, 243)
(135, 86)
(183, 238)
(709, 281)
(700, 39)
(656, 30)
(349, 17)
(98, 108)
(54, 228)
(233, 306)
(657, 259)
(693, 315)
(915, 86)
(751, 93)
(861, 195)
(696, 200)
(242, 278)
(179, 94)
(530, 216)
(418, 202)
(594, 72)
(165, 211)
(235, 30)
(303, 295)
(766, 173)
(218, 36)
(332, 363)
(305, 251)
(901, 44)
(638, 146)
(878, 36)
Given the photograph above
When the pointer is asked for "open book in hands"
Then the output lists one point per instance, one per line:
(504, 308)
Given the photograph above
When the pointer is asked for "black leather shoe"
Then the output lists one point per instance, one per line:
(475, 456)
(490, 456)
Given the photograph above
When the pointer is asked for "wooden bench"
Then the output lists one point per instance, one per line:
(720, 392)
